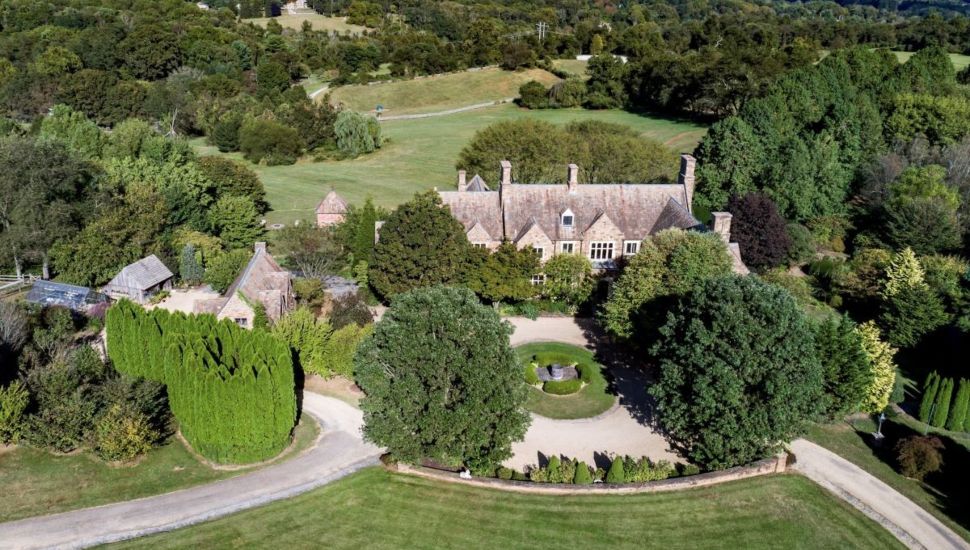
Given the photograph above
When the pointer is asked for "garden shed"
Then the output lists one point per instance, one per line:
(141, 280)
(50, 293)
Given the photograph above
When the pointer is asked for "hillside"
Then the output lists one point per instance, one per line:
(438, 93)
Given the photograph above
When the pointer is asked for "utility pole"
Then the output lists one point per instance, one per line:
(542, 28)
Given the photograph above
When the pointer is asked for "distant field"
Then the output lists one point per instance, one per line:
(959, 61)
(571, 66)
(375, 509)
(438, 93)
(319, 22)
(421, 154)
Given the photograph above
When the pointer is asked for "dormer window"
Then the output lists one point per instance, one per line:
(567, 218)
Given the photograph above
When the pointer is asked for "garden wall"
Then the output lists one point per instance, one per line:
(773, 465)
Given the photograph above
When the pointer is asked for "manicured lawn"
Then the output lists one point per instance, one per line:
(421, 154)
(592, 400)
(959, 61)
(36, 482)
(851, 442)
(572, 66)
(376, 509)
(319, 22)
(440, 92)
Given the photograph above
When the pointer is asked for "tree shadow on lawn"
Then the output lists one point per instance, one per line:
(627, 376)
(948, 486)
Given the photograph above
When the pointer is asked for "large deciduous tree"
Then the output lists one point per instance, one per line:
(505, 274)
(739, 374)
(313, 250)
(760, 231)
(421, 244)
(441, 380)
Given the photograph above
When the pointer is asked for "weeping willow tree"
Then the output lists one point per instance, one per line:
(232, 390)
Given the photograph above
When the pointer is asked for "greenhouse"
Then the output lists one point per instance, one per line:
(50, 293)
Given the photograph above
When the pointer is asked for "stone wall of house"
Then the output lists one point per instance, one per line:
(237, 308)
(535, 238)
(603, 231)
(326, 220)
(773, 465)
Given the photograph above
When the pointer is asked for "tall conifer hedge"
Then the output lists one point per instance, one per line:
(232, 390)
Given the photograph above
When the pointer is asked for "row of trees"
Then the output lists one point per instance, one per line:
(945, 403)
(231, 390)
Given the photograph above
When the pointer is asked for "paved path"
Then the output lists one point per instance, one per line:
(339, 452)
(915, 527)
(624, 429)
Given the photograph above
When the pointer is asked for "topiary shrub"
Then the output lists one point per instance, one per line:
(504, 473)
(688, 469)
(554, 470)
(529, 373)
(616, 473)
(919, 456)
(562, 387)
(585, 372)
(552, 358)
(583, 475)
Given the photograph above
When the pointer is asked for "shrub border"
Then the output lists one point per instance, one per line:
(772, 465)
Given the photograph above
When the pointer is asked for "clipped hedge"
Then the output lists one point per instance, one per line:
(562, 387)
(531, 377)
(586, 372)
(553, 358)
(232, 390)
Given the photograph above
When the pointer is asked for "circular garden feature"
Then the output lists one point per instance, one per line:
(565, 382)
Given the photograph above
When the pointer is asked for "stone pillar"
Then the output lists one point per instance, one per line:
(686, 178)
(506, 174)
(572, 177)
(721, 224)
(462, 185)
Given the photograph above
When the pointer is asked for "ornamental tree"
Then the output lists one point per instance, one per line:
(759, 230)
(739, 373)
(880, 356)
(441, 380)
(421, 244)
(847, 370)
(910, 308)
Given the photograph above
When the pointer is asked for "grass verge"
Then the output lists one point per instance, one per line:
(376, 509)
(943, 496)
(36, 482)
(319, 23)
(592, 400)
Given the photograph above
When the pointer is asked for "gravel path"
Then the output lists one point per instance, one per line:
(339, 452)
(624, 429)
(912, 525)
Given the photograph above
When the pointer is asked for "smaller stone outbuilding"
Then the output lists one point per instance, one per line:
(141, 280)
(261, 282)
(332, 210)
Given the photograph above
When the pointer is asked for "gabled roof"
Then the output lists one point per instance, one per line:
(262, 280)
(675, 215)
(477, 185)
(141, 275)
(332, 204)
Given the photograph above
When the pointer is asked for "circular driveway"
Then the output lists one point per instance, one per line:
(625, 429)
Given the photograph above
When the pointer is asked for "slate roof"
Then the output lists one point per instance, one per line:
(263, 280)
(141, 275)
(638, 210)
(332, 204)
(477, 184)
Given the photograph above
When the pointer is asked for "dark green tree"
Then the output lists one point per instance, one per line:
(190, 271)
(421, 244)
(930, 387)
(941, 408)
(739, 373)
(441, 380)
(505, 274)
(356, 232)
(846, 369)
(958, 410)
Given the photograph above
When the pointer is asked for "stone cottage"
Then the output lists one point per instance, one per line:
(603, 222)
(263, 282)
(331, 210)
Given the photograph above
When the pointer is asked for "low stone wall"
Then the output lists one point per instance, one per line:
(773, 465)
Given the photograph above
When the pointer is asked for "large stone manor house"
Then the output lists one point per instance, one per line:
(603, 222)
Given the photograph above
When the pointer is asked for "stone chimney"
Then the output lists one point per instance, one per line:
(686, 178)
(260, 247)
(506, 177)
(721, 224)
(572, 177)
(462, 185)
(377, 230)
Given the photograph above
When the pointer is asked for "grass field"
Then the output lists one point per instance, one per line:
(960, 62)
(36, 482)
(375, 509)
(592, 400)
(571, 66)
(849, 442)
(421, 154)
(319, 22)
(438, 93)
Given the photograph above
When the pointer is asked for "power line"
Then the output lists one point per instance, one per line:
(542, 28)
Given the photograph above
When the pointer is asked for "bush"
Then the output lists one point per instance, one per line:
(339, 351)
(504, 473)
(688, 469)
(122, 435)
(616, 473)
(13, 402)
(66, 400)
(529, 373)
(919, 456)
(267, 140)
(802, 248)
(533, 95)
(583, 475)
(350, 309)
(562, 387)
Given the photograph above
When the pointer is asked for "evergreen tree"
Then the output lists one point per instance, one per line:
(505, 274)
(880, 356)
(910, 308)
(582, 476)
(616, 473)
(958, 411)
(847, 369)
(942, 406)
(190, 271)
(930, 388)
(421, 244)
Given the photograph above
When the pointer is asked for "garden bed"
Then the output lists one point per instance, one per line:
(592, 397)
